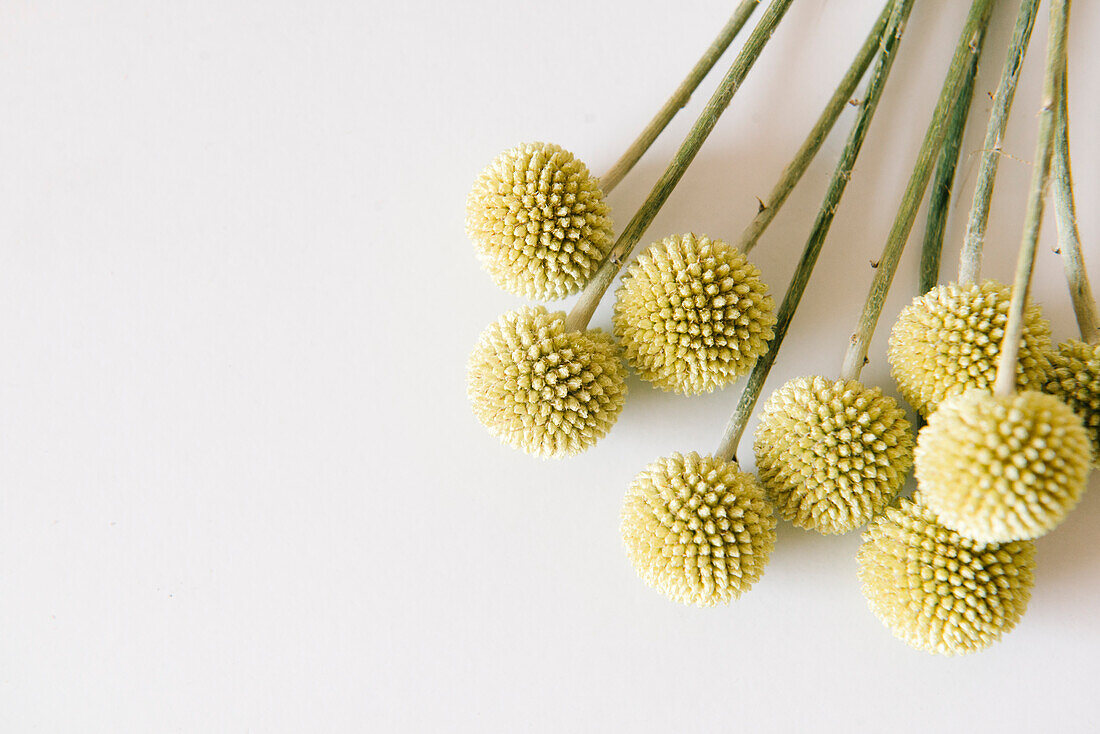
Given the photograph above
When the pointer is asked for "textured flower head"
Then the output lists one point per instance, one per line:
(947, 342)
(1002, 468)
(693, 314)
(1075, 378)
(832, 454)
(544, 390)
(538, 221)
(937, 590)
(697, 529)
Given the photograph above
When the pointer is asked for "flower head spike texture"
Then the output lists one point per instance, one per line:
(693, 314)
(1075, 378)
(937, 590)
(544, 390)
(538, 221)
(832, 454)
(998, 469)
(697, 529)
(948, 340)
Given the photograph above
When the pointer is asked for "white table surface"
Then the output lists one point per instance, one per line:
(240, 486)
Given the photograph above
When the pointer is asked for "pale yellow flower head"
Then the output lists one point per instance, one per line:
(1002, 468)
(937, 590)
(832, 453)
(697, 529)
(1075, 378)
(544, 390)
(693, 315)
(947, 342)
(538, 221)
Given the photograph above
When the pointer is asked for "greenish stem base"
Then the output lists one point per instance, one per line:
(1005, 383)
(970, 259)
(965, 50)
(680, 97)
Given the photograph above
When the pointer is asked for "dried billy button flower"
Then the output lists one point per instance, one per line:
(542, 389)
(538, 221)
(692, 314)
(1075, 378)
(1002, 468)
(948, 340)
(939, 591)
(1075, 366)
(832, 454)
(697, 528)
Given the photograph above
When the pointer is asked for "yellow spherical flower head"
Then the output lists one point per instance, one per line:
(1075, 378)
(693, 314)
(538, 221)
(947, 342)
(697, 529)
(544, 390)
(1002, 468)
(832, 454)
(937, 590)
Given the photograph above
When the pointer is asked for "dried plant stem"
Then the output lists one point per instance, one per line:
(581, 313)
(970, 261)
(805, 155)
(965, 50)
(939, 199)
(680, 97)
(1065, 211)
(1005, 384)
(727, 448)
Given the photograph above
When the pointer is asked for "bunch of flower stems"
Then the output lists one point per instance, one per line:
(833, 454)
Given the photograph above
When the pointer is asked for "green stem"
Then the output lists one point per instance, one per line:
(841, 175)
(965, 49)
(1005, 384)
(581, 313)
(680, 97)
(813, 142)
(939, 199)
(1069, 240)
(970, 260)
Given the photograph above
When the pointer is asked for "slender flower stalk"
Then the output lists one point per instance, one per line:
(970, 260)
(1069, 240)
(590, 297)
(900, 9)
(1005, 385)
(965, 50)
(1074, 376)
(939, 199)
(820, 131)
(680, 97)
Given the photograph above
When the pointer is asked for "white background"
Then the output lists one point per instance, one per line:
(240, 487)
